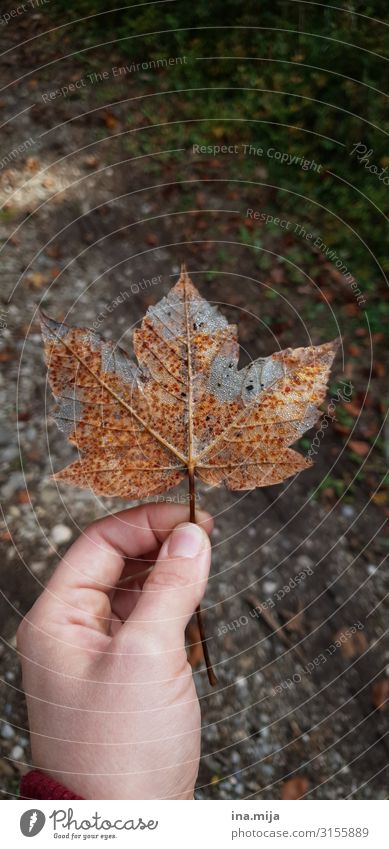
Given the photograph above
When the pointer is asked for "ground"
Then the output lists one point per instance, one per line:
(85, 217)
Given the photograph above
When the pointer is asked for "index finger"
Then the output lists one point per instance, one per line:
(95, 561)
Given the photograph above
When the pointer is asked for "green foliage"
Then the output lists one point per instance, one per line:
(290, 77)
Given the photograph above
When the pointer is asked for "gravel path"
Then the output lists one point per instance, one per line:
(290, 701)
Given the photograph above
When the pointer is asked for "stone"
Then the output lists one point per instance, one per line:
(61, 534)
(17, 753)
(269, 587)
(7, 731)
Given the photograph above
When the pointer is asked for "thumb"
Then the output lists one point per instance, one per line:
(177, 583)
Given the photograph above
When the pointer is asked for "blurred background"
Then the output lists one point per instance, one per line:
(249, 142)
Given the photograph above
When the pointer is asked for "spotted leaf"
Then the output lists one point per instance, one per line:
(186, 407)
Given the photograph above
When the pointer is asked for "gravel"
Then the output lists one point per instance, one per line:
(61, 534)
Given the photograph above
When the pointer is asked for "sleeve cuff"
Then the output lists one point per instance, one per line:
(38, 785)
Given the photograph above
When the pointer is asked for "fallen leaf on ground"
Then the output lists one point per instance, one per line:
(359, 447)
(380, 694)
(37, 280)
(352, 645)
(91, 161)
(380, 498)
(352, 408)
(110, 121)
(295, 788)
(32, 163)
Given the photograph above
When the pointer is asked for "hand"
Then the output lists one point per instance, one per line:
(112, 706)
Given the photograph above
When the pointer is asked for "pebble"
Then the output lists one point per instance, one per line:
(60, 534)
(304, 562)
(15, 481)
(17, 753)
(9, 676)
(6, 436)
(347, 511)
(10, 453)
(269, 587)
(7, 731)
(37, 567)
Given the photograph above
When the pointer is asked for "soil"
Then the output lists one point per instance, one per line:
(83, 221)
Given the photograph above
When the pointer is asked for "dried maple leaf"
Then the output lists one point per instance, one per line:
(185, 409)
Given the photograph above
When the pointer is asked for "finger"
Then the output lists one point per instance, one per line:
(93, 565)
(126, 594)
(176, 585)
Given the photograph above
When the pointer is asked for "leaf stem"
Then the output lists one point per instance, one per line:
(192, 518)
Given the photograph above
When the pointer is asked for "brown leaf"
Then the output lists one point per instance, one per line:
(7, 354)
(91, 161)
(353, 408)
(53, 272)
(352, 645)
(32, 163)
(37, 280)
(110, 121)
(378, 369)
(23, 496)
(295, 788)
(185, 409)
(380, 498)
(380, 694)
(277, 274)
(341, 428)
(54, 251)
(359, 447)
(354, 350)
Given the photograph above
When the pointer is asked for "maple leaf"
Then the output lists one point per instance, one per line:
(186, 408)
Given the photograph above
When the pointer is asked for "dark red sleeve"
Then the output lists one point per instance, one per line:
(37, 785)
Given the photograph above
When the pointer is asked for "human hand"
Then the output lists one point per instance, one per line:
(112, 706)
